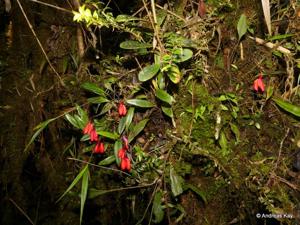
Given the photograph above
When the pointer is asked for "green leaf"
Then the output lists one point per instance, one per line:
(107, 134)
(83, 116)
(75, 181)
(84, 191)
(134, 45)
(280, 36)
(270, 90)
(174, 74)
(39, 129)
(242, 26)
(176, 182)
(287, 106)
(181, 55)
(106, 107)
(148, 72)
(125, 18)
(73, 121)
(164, 96)
(122, 124)
(197, 191)
(161, 81)
(93, 88)
(93, 193)
(158, 209)
(129, 117)
(167, 111)
(140, 103)
(117, 147)
(236, 131)
(107, 161)
(137, 129)
(98, 100)
(223, 141)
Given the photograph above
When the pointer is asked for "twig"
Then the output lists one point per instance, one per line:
(153, 22)
(151, 199)
(295, 187)
(270, 45)
(280, 148)
(130, 188)
(102, 167)
(21, 210)
(40, 44)
(170, 12)
(52, 6)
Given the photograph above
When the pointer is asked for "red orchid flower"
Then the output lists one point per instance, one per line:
(94, 135)
(122, 109)
(99, 148)
(122, 153)
(88, 128)
(258, 84)
(125, 164)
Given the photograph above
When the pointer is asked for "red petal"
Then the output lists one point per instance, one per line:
(128, 167)
(88, 128)
(122, 109)
(93, 135)
(255, 85)
(261, 84)
(99, 148)
(123, 164)
(122, 153)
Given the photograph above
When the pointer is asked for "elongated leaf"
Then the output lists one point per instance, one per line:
(164, 96)
(287, 106)
(242, 26)
(83, 115)
(107, 161)
(93, 193)
(197, 191)
(84, 191)
(125, 18)
(72, 121)
(176, 182)
(167, 111)
(93, 88)
(280, 36)
(129, 117)
(158, 209)
(140, 103)
(122, 124)
(80, 122)
(267, 14)
(134, 45)
(117, 147)
(181, 55)
(75, 181)
(98, 100)
(39, 129)
(148, 72)
(223, 141)
(107, 134)
(106, 108)
(137, 129)
(236, 131)
(174, 74)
